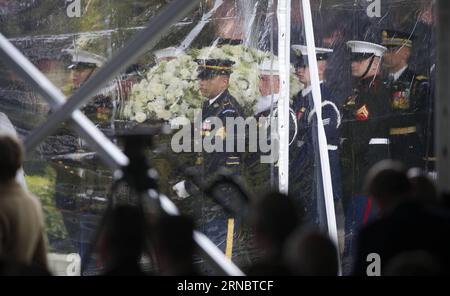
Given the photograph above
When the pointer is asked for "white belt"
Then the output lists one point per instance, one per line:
(332, 147)
(379, 141)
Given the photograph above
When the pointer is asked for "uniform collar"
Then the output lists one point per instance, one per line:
(399, 73)
(211, 101)
(307, 90)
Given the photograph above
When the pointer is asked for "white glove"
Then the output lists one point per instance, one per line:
(180, 189)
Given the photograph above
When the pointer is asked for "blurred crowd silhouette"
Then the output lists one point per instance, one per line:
(410, 234)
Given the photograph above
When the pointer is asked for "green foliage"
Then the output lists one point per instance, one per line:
(43, 186)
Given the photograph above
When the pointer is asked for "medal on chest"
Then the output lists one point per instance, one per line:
(351, 101)
(206, 128)
(301, 113)
(400, 100)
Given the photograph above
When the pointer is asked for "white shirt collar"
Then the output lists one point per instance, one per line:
(307, 90)
(399, 73)
(211, 101)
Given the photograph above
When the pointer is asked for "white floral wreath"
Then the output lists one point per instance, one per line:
(170, 90)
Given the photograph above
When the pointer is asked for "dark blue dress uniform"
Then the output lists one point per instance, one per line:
(210, 216)
(305, 170)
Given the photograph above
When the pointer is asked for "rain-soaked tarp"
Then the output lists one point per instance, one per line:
(385, 113)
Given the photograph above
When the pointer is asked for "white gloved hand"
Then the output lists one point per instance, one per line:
(180, 189)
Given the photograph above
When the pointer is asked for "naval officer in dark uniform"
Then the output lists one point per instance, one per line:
(305, 173)
(219, 104)
(409, 100)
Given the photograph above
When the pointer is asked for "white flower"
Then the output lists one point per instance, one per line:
(184, 107)
(165, 114)
(171, 90)
(156, 89)
(140, 117)
(185, 74)
(171, 67)
(167, 78)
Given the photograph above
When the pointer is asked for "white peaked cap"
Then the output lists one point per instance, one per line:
(366, 47)
(82, 56)
(269, 67)
(169, 52)
(303, 49)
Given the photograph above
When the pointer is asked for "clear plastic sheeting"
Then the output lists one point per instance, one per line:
(219, 64)
(377, 89)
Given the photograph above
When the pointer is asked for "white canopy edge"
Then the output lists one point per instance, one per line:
(323, 145)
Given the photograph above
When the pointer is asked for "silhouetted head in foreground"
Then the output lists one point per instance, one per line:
(311, 254)
(387, 183)
(423, 188)
(11, 159)
(413, 263)
(174, 245)
(273, 217)
(123, 240)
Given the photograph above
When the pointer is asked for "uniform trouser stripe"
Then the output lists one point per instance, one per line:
(230, 233)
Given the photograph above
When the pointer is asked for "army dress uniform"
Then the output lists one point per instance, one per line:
(406, 133)
(409, 94)
(305, 172)
(211, 217)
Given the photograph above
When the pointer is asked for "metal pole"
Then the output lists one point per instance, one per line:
(199, 27)
(284, 41)
(96, 139)
(155, 29)
(323, 146)
(443, 96)
(210, 252)
(109, 152)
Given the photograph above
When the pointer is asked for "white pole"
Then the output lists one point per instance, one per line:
(284, 41)
(155, 29)
(323, 150)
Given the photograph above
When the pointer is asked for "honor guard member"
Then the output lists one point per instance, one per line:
(214, 77)
(364, 131)
(269, 87)
(409, 98)
(71, 174)
(305, 173)
(84, 65)
(262, 172)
